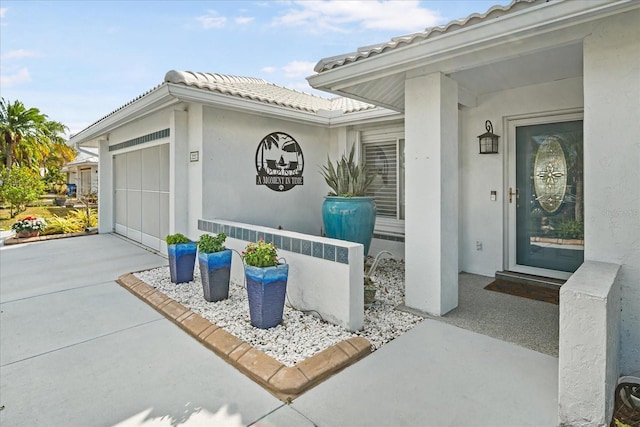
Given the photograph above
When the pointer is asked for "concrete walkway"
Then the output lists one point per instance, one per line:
(76, 349)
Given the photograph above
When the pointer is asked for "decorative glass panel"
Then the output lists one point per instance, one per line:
(550, 207)
(550, 174)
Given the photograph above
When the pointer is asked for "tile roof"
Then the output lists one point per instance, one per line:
(249, 88)
(409, 39)
(263, 91)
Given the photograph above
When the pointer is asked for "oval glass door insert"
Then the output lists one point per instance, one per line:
(550, 175)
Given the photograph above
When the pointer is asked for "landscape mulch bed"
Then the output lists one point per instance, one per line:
(539, 293)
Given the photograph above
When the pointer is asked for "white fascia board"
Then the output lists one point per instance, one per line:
(493, 33)
(236, 103)
(366, 116)
(157, 99)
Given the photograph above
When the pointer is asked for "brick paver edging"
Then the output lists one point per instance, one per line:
(286, 383)
(16, 240)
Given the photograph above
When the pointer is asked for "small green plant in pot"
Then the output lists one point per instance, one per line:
(347, 212)
(266, 284)
(214, 261)
(182, 257)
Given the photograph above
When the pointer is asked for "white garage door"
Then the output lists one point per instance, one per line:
(141, 182)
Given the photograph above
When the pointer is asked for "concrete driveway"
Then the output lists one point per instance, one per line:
(79, 350)
(76, 349)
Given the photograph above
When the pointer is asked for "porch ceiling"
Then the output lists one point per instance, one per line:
(522, 70)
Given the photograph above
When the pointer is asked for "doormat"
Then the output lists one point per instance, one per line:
(524, 290)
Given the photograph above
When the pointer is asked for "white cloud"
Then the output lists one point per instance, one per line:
(20, 53)
(335, 15)
(3, 11)
(212, 20)
(21, 76)
(295, 69)
(244, 20)
(269, 70)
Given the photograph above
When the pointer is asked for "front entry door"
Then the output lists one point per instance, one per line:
(547, 199)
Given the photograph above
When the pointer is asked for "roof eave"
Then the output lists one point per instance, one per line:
(546, 17)
(147, 104)
(367, 116)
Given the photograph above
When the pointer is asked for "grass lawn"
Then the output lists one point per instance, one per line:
(45, 212)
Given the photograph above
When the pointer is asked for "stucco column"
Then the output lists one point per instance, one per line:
(588, 377)
(105, 188)
(178, 179)
(194, 168)
(431, 172)
(611, 159)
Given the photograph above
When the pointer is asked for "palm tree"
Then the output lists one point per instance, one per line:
(59, 151)
(268, 142)
(28, 138)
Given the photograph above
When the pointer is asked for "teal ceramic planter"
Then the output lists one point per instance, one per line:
(350, 218)
(215, 272)
(266, 289)
(182, 259)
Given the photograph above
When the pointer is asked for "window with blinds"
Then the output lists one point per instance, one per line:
(384, 155)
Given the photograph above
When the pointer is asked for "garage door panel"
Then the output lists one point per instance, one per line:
(151, 169)
(134, 167)
(164, 168)
(121, 207)
(134, 207)
(120, 171)
(141, 195)
(164, 215)
(150, 213)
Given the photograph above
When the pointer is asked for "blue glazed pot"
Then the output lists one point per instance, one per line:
(182, 259)
(266, 289)
(215, 271)
(349, 218)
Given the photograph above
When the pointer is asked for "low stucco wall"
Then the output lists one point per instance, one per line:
(589, 345)
(325, 275)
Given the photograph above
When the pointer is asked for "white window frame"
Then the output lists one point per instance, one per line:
(385, 225)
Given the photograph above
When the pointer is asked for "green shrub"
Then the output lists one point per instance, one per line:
(208, 244)
(60, 225)
(176, 239)
(76, 221)
(20, 186)
(87, 217)
(570, 229)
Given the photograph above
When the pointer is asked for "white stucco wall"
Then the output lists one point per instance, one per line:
(612, 164)
(139, 127)
(482, 220)
(229, 173)
(588, 345)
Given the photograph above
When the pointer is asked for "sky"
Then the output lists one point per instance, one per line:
(77, 61)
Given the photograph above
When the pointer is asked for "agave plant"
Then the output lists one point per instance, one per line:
(347, 179)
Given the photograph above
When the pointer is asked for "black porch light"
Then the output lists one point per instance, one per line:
(488, 140)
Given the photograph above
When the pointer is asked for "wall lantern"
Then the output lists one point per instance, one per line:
(488, 141)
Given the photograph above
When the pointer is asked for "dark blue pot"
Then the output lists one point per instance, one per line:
(215, 270)
(182, 259)
(266, 289)
(349, 218)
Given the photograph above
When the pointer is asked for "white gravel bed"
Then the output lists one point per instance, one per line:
(300, 335)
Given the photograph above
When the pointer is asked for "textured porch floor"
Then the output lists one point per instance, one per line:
(525, 322)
